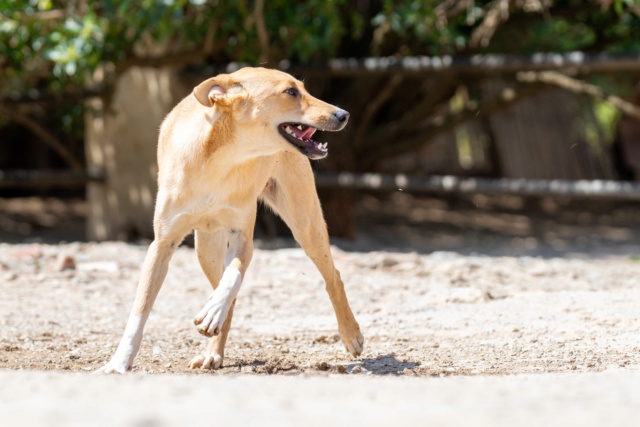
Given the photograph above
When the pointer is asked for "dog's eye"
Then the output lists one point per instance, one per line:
(292, 91)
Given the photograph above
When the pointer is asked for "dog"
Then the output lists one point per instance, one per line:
(237, 139)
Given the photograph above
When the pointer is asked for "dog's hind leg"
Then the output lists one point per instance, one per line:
(210, 249)
(291, 193)
(153, 273)
(214, 320)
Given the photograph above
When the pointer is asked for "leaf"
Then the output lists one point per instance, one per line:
(70, 68)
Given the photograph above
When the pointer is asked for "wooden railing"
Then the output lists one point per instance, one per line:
(613, 190)
(34, 178)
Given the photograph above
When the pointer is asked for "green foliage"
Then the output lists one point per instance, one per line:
(607, 116)
(58, 43)
(426, 27)
(303, 29)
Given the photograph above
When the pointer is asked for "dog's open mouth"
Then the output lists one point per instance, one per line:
(300, 135)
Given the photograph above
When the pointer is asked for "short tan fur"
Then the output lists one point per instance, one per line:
(236, 139)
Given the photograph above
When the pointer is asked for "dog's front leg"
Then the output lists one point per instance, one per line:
(211, 249)
(292, 195)
(213, 319)
(153, 273)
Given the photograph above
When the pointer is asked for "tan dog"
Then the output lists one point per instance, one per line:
(236, 139)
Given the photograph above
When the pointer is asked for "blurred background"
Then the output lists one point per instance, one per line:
(501, 126)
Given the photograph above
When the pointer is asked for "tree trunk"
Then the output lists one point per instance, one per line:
(121, 140)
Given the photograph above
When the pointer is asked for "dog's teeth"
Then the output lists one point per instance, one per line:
(299, 127)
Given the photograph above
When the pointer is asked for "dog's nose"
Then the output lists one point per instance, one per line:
(341, 115)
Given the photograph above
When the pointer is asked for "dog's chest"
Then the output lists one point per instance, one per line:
(213, 213)
(218, 195)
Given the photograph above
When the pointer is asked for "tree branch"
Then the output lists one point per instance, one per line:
(45, 15)
(374, 106)
(442, 90)
(178, 58)
(497, 14)
(450, 9)
(409, 140)
(261, 28)
(209, 38)
(44, 135)
(579, 87)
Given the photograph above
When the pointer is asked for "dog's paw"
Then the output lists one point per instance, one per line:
(206, 361)
(353, 341)
(211, 318)
(112, 368)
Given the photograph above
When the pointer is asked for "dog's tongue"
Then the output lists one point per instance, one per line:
(308, 133)
(304, 134)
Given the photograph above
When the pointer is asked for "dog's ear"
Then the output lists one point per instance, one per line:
(219, 90)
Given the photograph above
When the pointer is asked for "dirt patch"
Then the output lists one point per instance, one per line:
(439, 314)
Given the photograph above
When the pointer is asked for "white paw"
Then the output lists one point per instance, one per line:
(206, 361)
(211, 318)
(113, 368)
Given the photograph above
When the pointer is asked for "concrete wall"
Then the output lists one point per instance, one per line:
(122, 142)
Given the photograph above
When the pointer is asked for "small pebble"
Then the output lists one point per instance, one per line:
(65, 262)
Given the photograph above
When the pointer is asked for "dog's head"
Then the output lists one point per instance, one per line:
(277, 103)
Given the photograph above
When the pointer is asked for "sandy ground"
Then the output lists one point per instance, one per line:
(505, 338)
(141, 400)
(437, 314)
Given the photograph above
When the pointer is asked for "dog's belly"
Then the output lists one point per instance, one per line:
(220, 216)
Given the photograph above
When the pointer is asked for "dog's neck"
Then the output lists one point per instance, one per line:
(232, 143)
